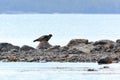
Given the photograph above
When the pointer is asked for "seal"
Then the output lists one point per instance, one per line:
(44, 44)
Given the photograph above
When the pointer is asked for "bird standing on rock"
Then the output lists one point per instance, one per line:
(44, 41)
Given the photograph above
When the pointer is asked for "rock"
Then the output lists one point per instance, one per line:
(26, 48)
(14, 50)
(64, 48)
(106, 67)
(8, 47)
(12, 59)
(73, 58)
(30, 59)
(74, 42)
(75, 51)
(81, 45)
(117, 46)
(54, 48)
(91, 70)
(4, 60)
(78, 50)
(86, 48)
(105, 43)
(118, 41)
(107, 60)
(102, 46)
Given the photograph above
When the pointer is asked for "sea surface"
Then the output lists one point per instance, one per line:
(58, 71)
(22, 29)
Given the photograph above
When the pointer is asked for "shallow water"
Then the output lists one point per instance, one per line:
(58, 71)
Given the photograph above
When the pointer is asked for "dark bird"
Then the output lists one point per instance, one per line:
(43, 41)
(43, 38)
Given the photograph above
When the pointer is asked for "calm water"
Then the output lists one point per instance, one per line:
(20, 29)
(58, 71)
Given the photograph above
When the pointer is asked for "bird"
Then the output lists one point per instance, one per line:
(43, 38)
(44, 44)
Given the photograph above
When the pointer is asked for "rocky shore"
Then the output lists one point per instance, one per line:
(77, 50)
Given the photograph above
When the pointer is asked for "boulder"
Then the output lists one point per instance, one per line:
(103, 46)
(118, 41)
(107, 60)
(74, 42)
(81, 45)
(105, 43)
(26, 48)
(86, 48)
(8, 47)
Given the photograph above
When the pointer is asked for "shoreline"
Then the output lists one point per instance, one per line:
(77, 50)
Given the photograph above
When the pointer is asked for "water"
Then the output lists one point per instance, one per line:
(21, 29)
(58, 71)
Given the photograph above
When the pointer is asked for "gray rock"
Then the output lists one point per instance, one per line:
(118, 41)
(8, 47)
(105, 43)
(54, 48)
(102, 46)
(30, 59)
(26, 48)
(77, 41)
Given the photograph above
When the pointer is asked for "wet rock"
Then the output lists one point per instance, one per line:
(91, 70)
(106, 67)
(106, 60)
(26, 48)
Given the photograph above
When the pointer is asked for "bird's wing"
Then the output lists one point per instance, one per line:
(42, 37)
